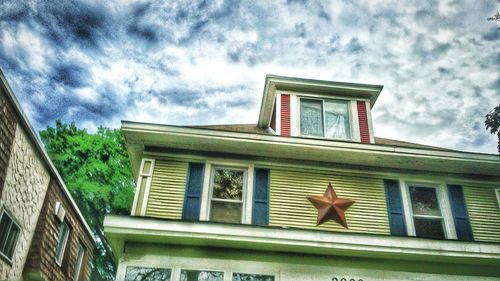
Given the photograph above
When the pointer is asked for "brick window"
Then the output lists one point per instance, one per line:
(62, 241)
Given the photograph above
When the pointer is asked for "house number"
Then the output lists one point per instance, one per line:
(345, 279)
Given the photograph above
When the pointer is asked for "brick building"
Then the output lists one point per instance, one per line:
(43, 235)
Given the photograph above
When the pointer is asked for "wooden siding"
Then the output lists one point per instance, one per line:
(363, 122)
(484, 213)
(290, 207)
(166, 196)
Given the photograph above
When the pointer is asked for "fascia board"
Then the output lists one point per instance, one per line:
(121, 229)
(311, 149)
(41, 150)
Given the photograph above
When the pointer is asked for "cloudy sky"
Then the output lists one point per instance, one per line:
(204, 62)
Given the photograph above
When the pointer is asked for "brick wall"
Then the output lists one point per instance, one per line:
(8, 121)
(42, 253)
(25, 186)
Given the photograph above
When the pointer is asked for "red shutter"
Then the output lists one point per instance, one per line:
(364, 131)
(285, 115)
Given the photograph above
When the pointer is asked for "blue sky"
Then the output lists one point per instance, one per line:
(204, 62)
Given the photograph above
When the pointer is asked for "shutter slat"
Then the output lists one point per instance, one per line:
(395, 208)
(460, 215)
(260, 208)
(194, 186)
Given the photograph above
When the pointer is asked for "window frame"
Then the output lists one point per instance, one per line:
(443, 202)
(350, 114)
(12, 222)
(79, 261)
(497, 193)
(147, 187)
(59, 259)
(247, 195)
(142, 265)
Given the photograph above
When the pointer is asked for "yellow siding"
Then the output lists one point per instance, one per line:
(483, 210)
(290, 207)
(166, 196)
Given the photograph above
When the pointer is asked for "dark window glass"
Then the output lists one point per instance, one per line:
(136, 273)
(424, 201)
(252, 277)
(228, 184)
(9, 232)
(429, 228)
(197, 275)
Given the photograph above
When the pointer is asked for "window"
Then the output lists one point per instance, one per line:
(62, 241)
(325, 118)
(143, 185)
(252, 277)
(497, 191)
(428, 212)
(79, 259)
(137, 273)
(197, 275)
(9, 233)
(227, 187)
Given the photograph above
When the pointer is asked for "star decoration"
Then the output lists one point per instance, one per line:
(330, 207)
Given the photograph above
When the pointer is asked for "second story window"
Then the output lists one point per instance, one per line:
(325, 118)
(427, 216)
(79, 260)
(226, 203)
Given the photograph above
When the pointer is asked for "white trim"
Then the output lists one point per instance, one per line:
(147, 188)
(497, 192)
(138, 229)
(64, 242)
(370, 122)
(294, 116)
(247, 193)
(272, 146)
(278, 114)
(353, 114)
(79, 261)
(443, 202)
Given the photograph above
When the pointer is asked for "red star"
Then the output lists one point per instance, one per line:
(330, 207)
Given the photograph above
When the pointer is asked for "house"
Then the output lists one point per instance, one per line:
(43, 235)
(307, 193)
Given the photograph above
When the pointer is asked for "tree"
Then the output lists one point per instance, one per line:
(495, 17)
(96, 170)
(492, 123)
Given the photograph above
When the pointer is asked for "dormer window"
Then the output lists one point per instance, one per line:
(325, 118)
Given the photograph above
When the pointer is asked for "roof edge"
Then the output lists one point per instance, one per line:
(40, 148)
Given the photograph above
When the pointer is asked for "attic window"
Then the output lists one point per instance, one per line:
(325, 118)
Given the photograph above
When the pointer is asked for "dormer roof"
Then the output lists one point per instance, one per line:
(333, 88)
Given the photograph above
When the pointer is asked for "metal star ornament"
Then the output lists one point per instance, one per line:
(330, 207)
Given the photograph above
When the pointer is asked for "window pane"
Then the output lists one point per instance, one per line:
(4, 230)
(429, 228)
(337, 120)
(252, 277)
(135, 273)
(225, 212)
(424, 201)
(79, 260)
(228, 184)
(311, 117)
(61, 242)
(195, 275)
(146, 167)
(11, 241)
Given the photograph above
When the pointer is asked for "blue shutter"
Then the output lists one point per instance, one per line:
(459, 211)
(395, 208)
(194, 186)
(260, 208)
